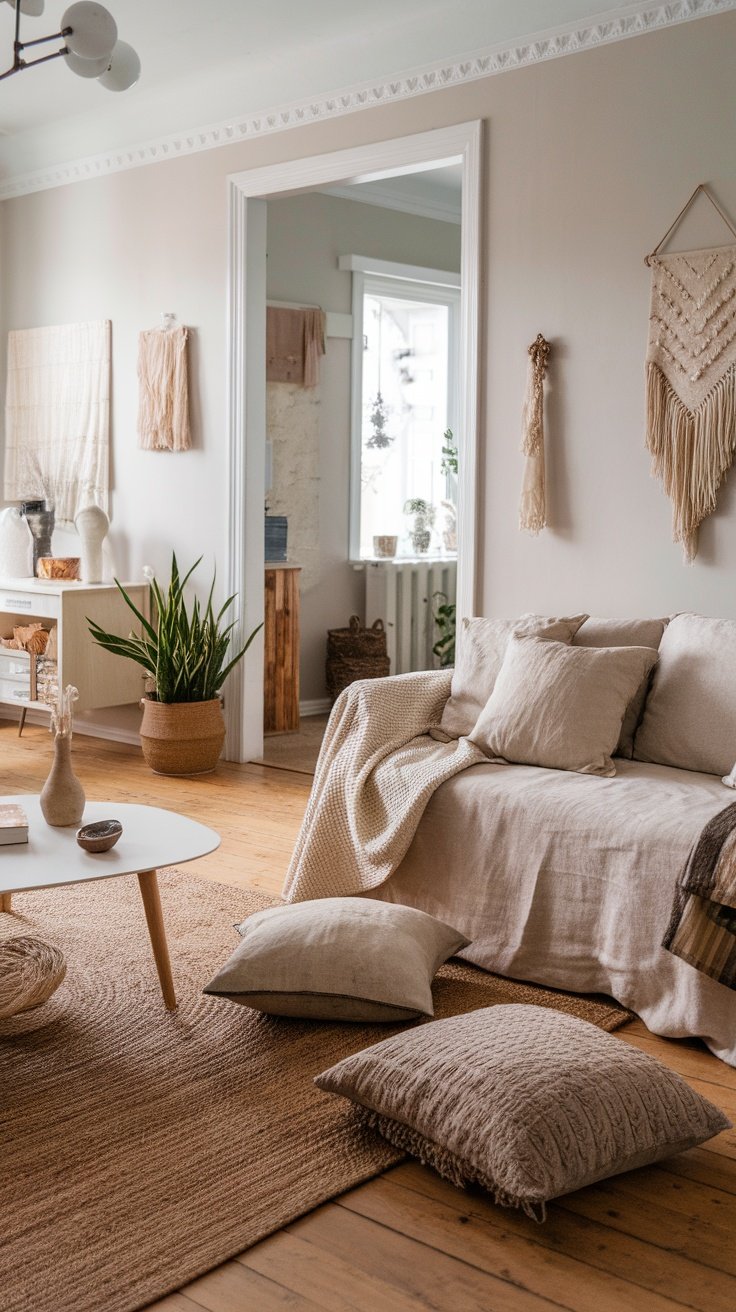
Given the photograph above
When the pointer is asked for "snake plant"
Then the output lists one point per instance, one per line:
(184, 653)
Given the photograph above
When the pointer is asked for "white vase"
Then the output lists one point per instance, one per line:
(91, 524)
(16, 545)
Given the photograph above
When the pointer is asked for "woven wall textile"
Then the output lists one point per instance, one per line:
(295, 340)
(691, 382)
(57, 416)
(533, 504)
(163, 396)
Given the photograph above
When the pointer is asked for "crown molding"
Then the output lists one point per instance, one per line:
(387, 199)
(615, 25)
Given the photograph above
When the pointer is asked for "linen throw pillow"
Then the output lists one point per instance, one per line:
(338, 958)
(560, 706)
(690, 716)
(480, 656)
(597, 632)
(526, 1101)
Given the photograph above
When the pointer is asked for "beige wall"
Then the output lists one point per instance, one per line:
(587, 160)
(306, 235)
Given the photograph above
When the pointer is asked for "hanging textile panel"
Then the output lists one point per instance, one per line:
(691, 382)
(57, 417)
(295, 340)
(163, 390)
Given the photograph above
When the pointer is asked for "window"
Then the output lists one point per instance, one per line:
(404, 371)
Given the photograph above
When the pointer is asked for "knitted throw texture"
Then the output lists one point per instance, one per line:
(691, 382)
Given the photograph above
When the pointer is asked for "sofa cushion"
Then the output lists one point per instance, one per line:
(480, 656)
(559, 706)
(338, 958)
(596, 632)
(526, 1101)
(690, 716)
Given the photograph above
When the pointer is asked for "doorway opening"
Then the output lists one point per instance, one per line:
(351, 469)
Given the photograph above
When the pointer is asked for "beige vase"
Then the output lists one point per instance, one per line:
(182, 737)
(62, 796)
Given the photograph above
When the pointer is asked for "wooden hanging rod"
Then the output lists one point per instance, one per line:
(702, 186)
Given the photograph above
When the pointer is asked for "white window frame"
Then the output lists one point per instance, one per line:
(437, 286)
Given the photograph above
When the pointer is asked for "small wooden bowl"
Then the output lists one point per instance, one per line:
(58, 567)
(100, 836)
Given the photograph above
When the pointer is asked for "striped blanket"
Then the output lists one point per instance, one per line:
(702, 928)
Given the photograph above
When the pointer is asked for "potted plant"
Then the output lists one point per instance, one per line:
(421, 531)
(185, 656)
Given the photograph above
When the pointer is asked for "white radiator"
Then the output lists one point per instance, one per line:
(400, 592)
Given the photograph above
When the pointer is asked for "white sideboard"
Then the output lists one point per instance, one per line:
(101, 678)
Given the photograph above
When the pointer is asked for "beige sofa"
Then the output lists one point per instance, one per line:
(567, 879)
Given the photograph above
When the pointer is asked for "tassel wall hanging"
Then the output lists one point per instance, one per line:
(533, 505)
(163, 399)
(691, 377)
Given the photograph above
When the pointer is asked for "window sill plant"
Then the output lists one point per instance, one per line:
(186, 658)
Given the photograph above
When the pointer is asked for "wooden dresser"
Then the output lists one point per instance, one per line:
(101, 678)
(281, 649)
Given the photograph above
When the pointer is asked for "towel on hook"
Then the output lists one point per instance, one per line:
(163, 399)
(295, 340)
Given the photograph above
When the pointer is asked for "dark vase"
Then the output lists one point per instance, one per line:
(40, 517)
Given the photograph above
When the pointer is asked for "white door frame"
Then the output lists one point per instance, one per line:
(460, 142)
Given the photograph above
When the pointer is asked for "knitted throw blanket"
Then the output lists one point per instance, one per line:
(691, 382)
(702, 928)
(376, 773)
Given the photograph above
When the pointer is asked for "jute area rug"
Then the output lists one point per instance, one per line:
(140, 1147)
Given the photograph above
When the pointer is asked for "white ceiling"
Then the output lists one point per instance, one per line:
(207, 61)
(434, 193)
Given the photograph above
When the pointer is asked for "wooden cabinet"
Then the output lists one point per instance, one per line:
(101, 678)
(281, 650)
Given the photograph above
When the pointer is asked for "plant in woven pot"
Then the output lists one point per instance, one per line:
(186, 656)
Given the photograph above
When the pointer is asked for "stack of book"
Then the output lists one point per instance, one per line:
(13, 824)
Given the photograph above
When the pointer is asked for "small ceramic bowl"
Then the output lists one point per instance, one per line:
(100, 836)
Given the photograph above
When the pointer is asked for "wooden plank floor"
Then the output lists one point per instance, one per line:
(652, 1241)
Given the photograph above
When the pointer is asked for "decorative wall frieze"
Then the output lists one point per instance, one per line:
(616, 25)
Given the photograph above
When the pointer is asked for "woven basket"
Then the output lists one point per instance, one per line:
(182, 737)
(357, 641)
(355, 653)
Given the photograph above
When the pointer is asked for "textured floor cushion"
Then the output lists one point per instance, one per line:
(338, 958)
(560, 706)
(529, 1103)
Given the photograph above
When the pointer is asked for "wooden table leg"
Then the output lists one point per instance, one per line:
(155, 920)
(6, 901)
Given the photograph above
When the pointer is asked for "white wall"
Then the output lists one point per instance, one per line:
(306, 235)
(588, 158)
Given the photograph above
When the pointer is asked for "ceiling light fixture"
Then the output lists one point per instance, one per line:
(91, 47)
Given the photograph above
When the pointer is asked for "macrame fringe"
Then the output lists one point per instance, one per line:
(691, 450)
(446, 1163)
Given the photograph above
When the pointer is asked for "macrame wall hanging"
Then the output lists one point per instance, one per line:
(533, 505)
(691, 376)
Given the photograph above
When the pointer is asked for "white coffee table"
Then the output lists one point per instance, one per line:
(151, 838)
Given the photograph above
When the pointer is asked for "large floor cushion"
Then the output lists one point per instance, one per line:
(527, 1102)
(690, 716)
